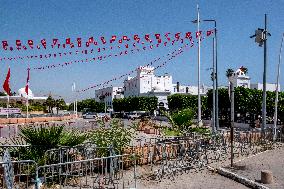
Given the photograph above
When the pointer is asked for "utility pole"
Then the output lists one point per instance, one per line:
(198, 61)
(216, 106)
(232, 96)
(214, 92)
(74, 90)
(261, 38)
(276, 92)
(216, 80)
(264, 81)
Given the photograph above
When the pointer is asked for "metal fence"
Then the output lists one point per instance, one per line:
(82, 167)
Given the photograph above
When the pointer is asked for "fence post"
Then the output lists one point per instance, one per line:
(36, 179)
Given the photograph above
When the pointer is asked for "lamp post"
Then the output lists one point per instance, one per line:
(261, 38)
(215, 74)
(198, 63)
(214, 99)
(277, 88)
(75, 101)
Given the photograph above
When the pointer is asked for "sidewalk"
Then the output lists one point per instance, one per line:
(193, 180)
(269, 160)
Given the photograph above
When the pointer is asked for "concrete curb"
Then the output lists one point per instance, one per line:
(238, 178)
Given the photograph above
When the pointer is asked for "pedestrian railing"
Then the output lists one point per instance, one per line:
(82, 166)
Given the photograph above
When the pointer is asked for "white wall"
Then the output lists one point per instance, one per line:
(110, 93)
(145, 81)
(269, 86)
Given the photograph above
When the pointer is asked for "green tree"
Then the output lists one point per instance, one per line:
(3, 94)
(50, 103)
(135, 103)
(88, 105)
(59, 104)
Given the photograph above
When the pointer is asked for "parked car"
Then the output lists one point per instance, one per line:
(136, 114)
(101, 115)
(89, 115)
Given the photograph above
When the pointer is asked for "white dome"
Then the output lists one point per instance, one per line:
(23, 93)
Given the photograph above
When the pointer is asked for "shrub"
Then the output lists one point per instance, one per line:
(72, 138)
(42, 139)
(116, 135)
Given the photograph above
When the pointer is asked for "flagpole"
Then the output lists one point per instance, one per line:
(8, 99)
(27, 91)
(27, 104)
(199, 41)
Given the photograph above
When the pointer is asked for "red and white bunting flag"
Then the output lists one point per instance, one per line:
(209, 32)
(198, 34)
(6, 85)
(28, 80)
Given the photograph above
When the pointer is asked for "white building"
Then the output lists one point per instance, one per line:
(145, 83)
(240, 79)
(22, 97)
(107, 95)
(269, 86)
(188, 89)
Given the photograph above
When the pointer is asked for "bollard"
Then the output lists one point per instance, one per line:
(1, 131)
(266, 177)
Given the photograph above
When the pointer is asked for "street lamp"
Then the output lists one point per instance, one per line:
(277, 88)
(75, 101)
(261, 38)
(215, 74)
(214, 100)
(198, 63)
(103, 97)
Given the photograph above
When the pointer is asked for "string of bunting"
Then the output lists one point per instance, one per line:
(103, 57)
(79, 52)
(172, 55)
(91, 41)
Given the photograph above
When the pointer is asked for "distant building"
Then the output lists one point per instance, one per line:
(22, 97)
(240, 79)
(188, 89)
(106, 95)
(145, 83)
(269, 86)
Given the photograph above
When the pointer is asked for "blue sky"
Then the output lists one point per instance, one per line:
(236, 21)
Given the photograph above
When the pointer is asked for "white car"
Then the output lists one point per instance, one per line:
(89, 115)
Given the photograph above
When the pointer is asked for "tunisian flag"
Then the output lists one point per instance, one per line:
(6, 85)
(28, 80)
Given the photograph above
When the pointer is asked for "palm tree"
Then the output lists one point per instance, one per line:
(59, 103)
(229, 72)
(50, 103)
